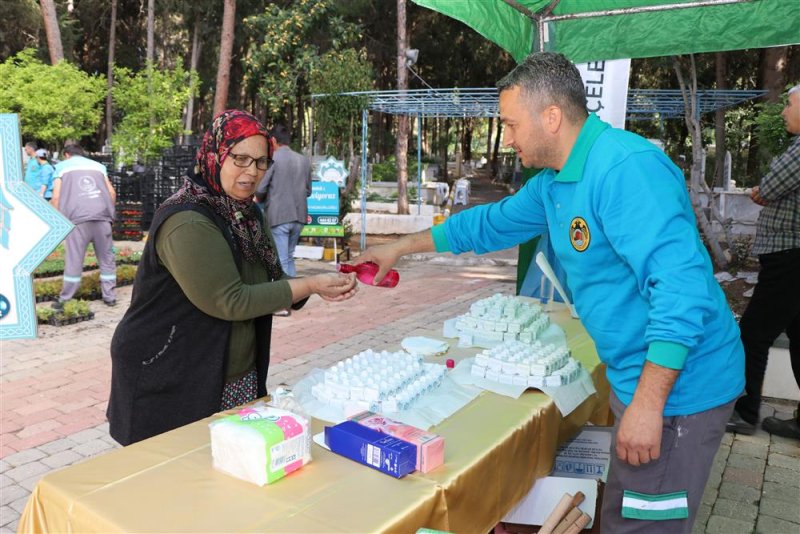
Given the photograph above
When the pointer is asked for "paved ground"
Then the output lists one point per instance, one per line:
(54, 389)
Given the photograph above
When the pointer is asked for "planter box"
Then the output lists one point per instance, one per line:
(63, 321)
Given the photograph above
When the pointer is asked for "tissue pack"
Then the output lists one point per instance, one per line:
(260, 444)
(430, 446)
(379, 451)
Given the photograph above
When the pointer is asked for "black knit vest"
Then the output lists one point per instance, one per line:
(168, 357)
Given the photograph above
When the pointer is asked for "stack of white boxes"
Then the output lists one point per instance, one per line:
(521, 364)
(383, 382)
(500, 318)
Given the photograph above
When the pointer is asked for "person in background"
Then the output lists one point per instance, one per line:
(46, 171)
(285, 189)
(620, 221)
(83, 193)
(196, 338)
(32, 167)
(775, 305)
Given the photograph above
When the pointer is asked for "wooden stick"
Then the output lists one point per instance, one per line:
(557, 514)
(572, 513)
(579, 524)
(578, 499)
(570, 518)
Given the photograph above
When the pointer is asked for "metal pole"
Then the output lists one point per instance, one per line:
(364, 115)
(311, 125)
(642, 9)
(419, 165)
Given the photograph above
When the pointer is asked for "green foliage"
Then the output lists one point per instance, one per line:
(54, 102)
(72, 309)
(286, 44)
(54, 263)
(27, 26)
(386, 171)
(44, 313)
(771, 128)
(340, 116)
(126, 274)
(151, 104)
(47, 289)
(89, 288)
(75, 308)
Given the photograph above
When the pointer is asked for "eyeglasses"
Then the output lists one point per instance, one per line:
(244, 161)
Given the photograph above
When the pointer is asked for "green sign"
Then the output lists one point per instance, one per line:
(323, 220)
(316, 230)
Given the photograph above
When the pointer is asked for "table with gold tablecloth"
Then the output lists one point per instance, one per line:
(495, 448)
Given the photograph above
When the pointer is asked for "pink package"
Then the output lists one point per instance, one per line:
(430, 447)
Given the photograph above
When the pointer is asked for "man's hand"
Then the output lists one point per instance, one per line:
(384, 256)
(755, 196)
(639, 432)
(639, 435)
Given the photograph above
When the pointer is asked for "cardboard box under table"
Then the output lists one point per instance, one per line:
(496, 448)
(581, 465)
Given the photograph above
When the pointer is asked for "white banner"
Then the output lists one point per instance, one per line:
(607, 89)
(30, 228)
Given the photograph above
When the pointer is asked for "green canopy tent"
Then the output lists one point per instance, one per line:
(590, 30)
(593, 30)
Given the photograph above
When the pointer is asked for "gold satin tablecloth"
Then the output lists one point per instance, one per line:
(495, 448)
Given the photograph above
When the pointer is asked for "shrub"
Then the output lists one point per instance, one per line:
(44, 313)
(75, 308)
(89, 288)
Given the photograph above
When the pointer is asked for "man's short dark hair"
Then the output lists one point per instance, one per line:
(31, 145)
(550, 78)
(74, 149)
(281, 134)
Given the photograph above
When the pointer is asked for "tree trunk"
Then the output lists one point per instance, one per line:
(52, 31)
(489, 139)
(225, 50)
(689, 92)
(445, 132)
(466, 139)
(401, 148)
(496, 151)
(151, 20)
(426, 147)
(774, 71)
(721, 68)
(300, 116)
(112, 41)
(193, 62)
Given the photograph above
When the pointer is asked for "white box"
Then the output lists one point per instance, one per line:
(581, 464)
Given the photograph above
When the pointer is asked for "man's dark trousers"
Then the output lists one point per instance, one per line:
(774, 308)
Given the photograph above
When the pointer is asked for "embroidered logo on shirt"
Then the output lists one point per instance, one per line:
(579, 234)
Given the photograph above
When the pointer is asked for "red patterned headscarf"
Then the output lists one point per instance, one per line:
(204, 187)
(229, 127)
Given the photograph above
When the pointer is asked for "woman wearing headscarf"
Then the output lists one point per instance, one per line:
(196, 337)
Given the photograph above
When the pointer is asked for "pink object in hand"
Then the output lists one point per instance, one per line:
(365, 272)
(450, 363)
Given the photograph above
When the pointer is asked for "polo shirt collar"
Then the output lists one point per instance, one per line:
(573, 168)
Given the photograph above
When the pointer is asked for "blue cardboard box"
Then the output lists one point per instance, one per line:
(379, 451)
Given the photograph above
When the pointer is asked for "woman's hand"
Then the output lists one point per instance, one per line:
(334, 287)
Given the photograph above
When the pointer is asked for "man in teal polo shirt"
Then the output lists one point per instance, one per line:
(620, 221)
(33, 167)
